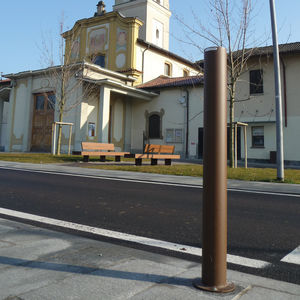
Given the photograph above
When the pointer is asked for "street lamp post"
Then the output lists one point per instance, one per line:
(279, 130)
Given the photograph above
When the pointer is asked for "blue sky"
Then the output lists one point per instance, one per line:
(24, 22)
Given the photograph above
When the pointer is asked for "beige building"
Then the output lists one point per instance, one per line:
(255, 106)
(127, 88)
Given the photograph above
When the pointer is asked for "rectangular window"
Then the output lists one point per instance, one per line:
(256, 82)
(174, 135)
(168, 68)
(258, 139)
(92, 129)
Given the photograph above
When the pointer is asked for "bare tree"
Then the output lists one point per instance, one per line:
(229, 27)
(67, 78)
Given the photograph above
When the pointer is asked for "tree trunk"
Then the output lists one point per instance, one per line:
(231, 127)
(59, 133)
(61, 112)
(231, 135)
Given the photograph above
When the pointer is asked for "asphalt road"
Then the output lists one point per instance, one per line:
(264, 227)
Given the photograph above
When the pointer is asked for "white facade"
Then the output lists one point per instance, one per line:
(155, 15)
(152, 63)
(260, 109)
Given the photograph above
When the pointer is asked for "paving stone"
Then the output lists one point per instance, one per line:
(120, 282)
(268, 294)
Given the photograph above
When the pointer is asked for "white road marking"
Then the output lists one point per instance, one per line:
(263, 192)
(293, 257)
(248, 262)
(148, 182)
(104, 177)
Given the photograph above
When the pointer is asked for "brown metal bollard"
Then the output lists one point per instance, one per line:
(214, 240)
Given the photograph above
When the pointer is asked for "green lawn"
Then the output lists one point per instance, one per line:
(251, 174)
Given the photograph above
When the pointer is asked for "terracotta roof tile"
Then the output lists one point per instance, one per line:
(164, 82)
(289, 48)
(4, 81)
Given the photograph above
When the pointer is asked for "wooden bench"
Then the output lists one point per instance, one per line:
(155, 152)
(100, 149)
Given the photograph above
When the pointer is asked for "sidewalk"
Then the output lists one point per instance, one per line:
(37, 263)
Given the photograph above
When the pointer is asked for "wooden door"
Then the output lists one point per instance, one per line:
(43, 117)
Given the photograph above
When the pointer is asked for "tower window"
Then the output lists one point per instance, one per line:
(157, 33)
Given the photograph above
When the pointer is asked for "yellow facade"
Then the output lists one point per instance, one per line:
(109, 37)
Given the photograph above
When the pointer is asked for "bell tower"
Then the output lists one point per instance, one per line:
(155, 15)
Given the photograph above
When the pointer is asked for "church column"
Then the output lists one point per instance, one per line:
(128, 122)
(104, 111)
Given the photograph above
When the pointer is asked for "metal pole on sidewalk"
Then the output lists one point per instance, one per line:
(279, 130)
(214, 240)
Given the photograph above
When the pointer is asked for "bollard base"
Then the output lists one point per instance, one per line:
(229, 287)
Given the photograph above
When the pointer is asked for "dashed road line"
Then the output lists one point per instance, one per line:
(293, 257)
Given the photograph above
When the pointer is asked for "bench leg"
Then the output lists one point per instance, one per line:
(168, 162)
(85, 158)
(138, 161)
(102, 158)
(153, 161)
(117, 158)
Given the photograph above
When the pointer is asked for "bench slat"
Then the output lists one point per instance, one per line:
(151, 148)
(97, 146)
(166, 156)
(102, 153)
(157, 156)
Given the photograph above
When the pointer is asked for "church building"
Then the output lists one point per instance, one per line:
(110, 55)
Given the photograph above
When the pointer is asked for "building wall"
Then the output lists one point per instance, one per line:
(4, 135)
(260, 109)
(154, 64)
(195, 118)
(18, 119)
(171, 103)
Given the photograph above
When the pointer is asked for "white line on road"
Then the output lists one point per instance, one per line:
(104, 177)
(263, 192)
(293, 257)
(148, 182)
(248, 262)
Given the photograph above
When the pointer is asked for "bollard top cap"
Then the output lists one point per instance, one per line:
(215, 48)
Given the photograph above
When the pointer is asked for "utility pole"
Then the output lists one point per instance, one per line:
(279, 130)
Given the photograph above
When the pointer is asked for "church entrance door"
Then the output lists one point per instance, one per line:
(43, 117)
